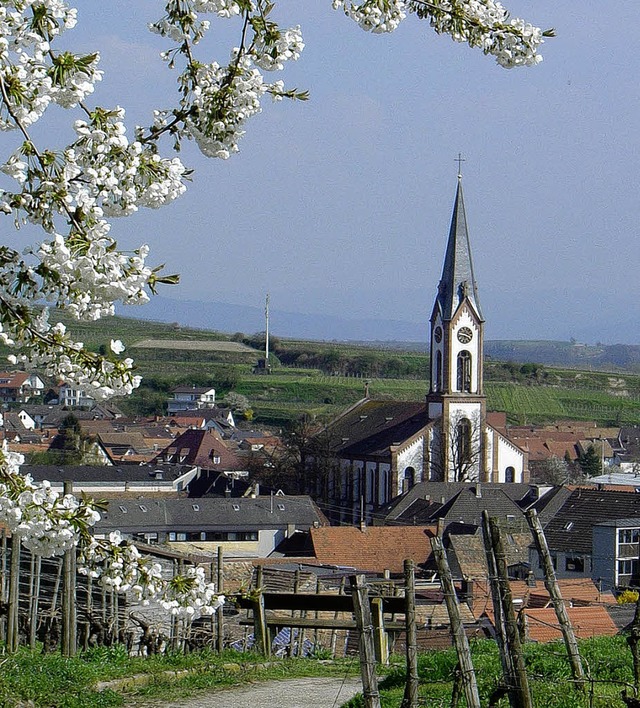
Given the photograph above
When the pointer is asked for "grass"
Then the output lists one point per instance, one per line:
(51, 681)
(607, 661)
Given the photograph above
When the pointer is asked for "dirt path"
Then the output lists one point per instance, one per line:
(292, 693)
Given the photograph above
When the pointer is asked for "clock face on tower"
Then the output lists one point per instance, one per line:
(465, 335)
(437, 335)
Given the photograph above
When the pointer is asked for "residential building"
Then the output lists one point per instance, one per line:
(247, 526)
(191, 398)
(20, 386)
(593, 534)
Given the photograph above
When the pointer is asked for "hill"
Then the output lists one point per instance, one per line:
(322, 378)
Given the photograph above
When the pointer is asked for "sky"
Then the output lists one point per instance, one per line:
(341, 205)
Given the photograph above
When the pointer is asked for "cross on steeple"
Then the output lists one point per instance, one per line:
(459, 160)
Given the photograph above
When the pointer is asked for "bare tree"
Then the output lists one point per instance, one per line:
(458, 458)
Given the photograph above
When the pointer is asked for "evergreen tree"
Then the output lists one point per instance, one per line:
(590, 463)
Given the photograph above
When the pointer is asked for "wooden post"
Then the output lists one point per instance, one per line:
(260, 628)
(551, 584)
(220, 590)
(410, 699)
(460, 640)
(14, 596)
(334, 632)
(35, 598)
(381, 646)
(3, 585)
(501, 638)
(69, 617)
(362, 614)
(521, 690)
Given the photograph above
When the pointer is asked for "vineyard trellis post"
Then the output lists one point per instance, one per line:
(220, 590)
(501, 639)
(69, 617)
(362, 614)
(410, 699)
(460, 640)
(522, 693)
(551, 584)
(14, 595)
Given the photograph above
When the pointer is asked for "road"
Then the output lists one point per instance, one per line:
(292, 693)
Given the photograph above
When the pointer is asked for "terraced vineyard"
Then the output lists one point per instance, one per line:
(167, 355)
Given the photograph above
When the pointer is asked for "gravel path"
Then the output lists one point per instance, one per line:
(292, 693)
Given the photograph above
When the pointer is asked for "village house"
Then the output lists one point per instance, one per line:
(20, 386)
(246, 526)
(191, 398)
(593, 533)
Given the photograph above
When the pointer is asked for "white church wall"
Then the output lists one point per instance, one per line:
(412, 456)
(509, 456)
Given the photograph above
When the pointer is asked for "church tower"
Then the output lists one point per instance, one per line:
(456, 395)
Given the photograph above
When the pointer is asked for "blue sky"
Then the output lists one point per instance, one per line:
(341, 205)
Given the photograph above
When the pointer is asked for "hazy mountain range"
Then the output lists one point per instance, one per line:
(226, 317)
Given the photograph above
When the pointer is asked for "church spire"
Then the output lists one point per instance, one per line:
(458, 281)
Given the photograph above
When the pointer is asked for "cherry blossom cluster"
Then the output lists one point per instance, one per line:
(375, 16)
(50, 523)
(480, 23)
(190, 596)
(46, 521)
(486, 24)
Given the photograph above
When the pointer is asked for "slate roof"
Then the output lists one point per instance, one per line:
(151, 514)
(107, 473)
(457, 279)
(467, 554)
(370, 427)
(442, 492)
(570, 529)
(374, 549)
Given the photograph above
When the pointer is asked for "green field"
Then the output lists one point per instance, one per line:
(167, 355)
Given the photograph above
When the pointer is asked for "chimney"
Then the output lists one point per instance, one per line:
(478, 491)
(440, 530)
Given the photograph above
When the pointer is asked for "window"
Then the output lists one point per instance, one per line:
(438, 385)
(464, 372)
(280, 507)
(181, 537)
(196, 507)
(408, 479)
(568, 526)
(463, 433)
(574, 564)
(628, 535)
(510, 474)
(143, 508)
(627, 567)
(172, 535)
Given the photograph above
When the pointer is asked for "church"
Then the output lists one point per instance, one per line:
(379, 449)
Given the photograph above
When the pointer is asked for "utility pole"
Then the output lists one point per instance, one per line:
(266, 335)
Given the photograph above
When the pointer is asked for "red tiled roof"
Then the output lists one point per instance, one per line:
(375, 549)
(587, 622)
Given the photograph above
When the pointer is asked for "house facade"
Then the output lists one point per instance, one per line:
(20, 386)
(191, 398)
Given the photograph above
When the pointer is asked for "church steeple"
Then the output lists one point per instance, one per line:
(457, 281)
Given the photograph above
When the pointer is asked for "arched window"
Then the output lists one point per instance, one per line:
(464, 371)
(408, 479)
(438, 370)
(463, 439)
(510, 474)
